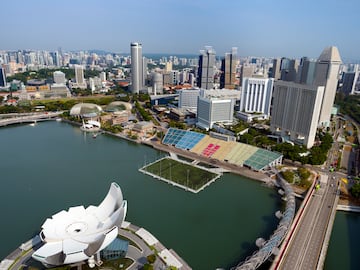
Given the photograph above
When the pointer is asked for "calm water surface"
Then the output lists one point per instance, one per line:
(53, 166)
(343, 251)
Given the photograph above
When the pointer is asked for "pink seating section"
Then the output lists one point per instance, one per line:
(210, 150)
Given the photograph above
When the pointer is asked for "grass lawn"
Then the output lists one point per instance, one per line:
(181, 173)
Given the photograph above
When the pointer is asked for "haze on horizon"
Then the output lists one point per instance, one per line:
(257, 28)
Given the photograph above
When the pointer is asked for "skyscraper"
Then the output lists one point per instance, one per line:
(136, 67)
(2, 77)
(79, 77)
(306, 71)
(289, 69)
(79, 74)
(295, 111)
(256, 95)
(350, 81)
(228, 70)
(326, 74)
(214, 110)
(206, 68)
(276, 69)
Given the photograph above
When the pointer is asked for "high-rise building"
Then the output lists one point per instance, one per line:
(79, 74)
(228, 70)
(59, 77)
(276, 69)
(188, 98)
(306, 72)
(214, 110)
(295, 111)
(246, 71)
(168, 66)
(256, 96)
(350, 81)
(103, 76)
(206, 68)
(136, 67)
(289, 69)
(326, 74)
(157, 83)
(79, 77)
(2, 77)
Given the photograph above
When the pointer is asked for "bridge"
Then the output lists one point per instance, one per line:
(269, 247)
(306, 244)
(29, 118)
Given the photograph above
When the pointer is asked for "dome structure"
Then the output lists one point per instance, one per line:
(116, 106)
(85, 109)
(78, 234)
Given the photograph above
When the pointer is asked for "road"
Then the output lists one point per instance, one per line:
(304, 249)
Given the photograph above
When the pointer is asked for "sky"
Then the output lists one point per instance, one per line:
(269, 28)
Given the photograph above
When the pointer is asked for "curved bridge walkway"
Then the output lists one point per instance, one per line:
(270, 246)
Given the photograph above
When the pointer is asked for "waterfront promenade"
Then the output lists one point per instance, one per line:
(146, 244)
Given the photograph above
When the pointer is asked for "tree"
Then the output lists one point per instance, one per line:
(148, 267)
(151, 258)
(303, 173)
(355, 190)
(288, 175)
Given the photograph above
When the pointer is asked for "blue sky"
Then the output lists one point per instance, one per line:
(257, 27)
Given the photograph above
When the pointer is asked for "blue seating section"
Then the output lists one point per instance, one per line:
(182, 139)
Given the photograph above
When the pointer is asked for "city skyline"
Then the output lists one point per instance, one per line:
(259, 28)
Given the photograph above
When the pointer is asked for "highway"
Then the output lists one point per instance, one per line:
(31, 118)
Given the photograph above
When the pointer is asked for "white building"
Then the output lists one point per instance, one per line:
(211, 110)
(80, 233)
(137, 72)
(59, 77)
(103, 76)
(95, 83)
(326, 74)
(79, 77)
(295, 111)
(255, 98)
(221, 94)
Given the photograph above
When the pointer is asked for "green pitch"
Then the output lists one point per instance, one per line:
(181, 173)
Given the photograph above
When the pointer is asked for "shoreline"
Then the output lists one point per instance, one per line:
(242, 171)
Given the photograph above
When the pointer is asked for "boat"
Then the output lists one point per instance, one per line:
(94, 135)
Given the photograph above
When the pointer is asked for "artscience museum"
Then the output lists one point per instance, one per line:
(79, 234)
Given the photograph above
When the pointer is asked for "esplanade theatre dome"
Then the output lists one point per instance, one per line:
(85, 109)
(118, 106)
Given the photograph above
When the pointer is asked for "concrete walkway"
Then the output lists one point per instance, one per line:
(348, 208)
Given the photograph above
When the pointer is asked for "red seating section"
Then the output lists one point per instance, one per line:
(210, 150)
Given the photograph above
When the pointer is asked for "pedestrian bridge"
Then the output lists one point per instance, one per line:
(270, 246)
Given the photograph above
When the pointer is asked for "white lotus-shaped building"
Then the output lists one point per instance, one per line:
(78, 234)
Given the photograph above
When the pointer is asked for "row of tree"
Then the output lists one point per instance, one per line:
(317, 155)
(47, 74)
(349, 105)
